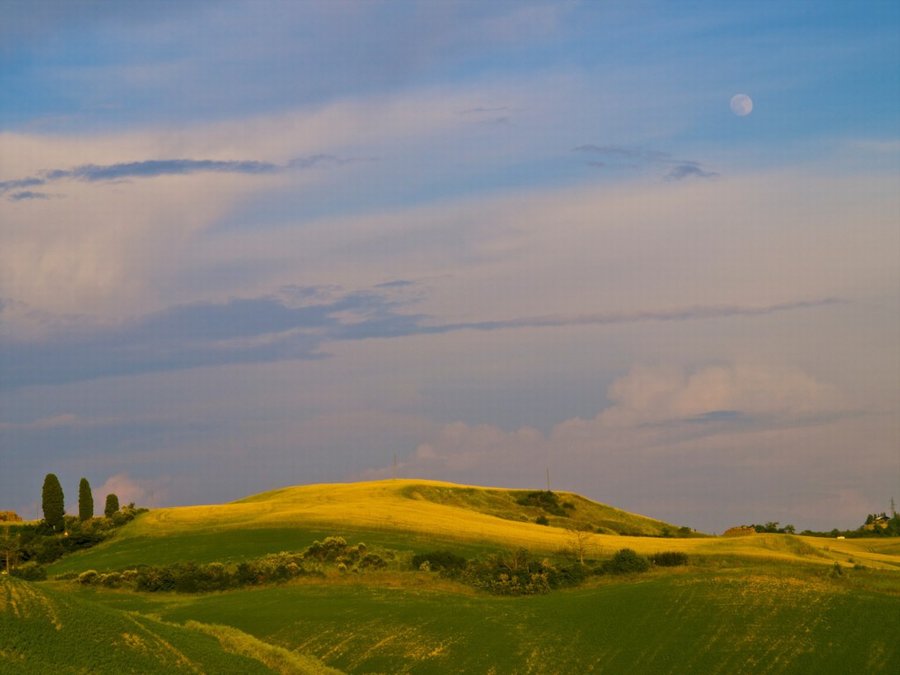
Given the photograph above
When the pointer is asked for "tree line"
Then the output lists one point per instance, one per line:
(53, 503)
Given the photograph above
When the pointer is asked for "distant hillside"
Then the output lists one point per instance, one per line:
(419, 515)
(560, 509)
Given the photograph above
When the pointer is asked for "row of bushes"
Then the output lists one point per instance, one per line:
(519, 573)
(189, 577)
(510, 573)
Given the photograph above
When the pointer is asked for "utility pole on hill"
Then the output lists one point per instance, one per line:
(548, 479)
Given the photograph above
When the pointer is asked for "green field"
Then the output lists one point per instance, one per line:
(754, 620)
(759, 604)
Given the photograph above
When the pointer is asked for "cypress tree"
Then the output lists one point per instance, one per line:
(53, 502)
(85, 500)
(112, 505)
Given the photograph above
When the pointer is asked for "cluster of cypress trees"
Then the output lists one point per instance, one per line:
(53, 502)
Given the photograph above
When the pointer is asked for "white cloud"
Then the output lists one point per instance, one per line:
(143, 492)
(648, 394)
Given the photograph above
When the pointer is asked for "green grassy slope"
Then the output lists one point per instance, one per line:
(769, 618)
(44, 630)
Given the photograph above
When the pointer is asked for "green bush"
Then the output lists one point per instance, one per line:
(331, 549)
(541, 520)
(669, 559)
(446, 561)
(544, 499)
(48, 550)
(30, 571)
(110, 580)
(87, 578)
(513, 573)
(626, 561)
(372, 561)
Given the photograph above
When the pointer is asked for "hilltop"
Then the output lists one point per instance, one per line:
(418, 515)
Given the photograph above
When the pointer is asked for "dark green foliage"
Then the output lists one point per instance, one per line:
(372, 561)
(53, 502)
(772, 527)
(85, 500)
(669, 559)
(544, 499)
(517, 573)
(48, 550)
(30, 571)
(191, 577)
(542, 520)
(126, 514)
(626, 561)
(439, 561)
(45, 544)
(328, 550)
(112, 505)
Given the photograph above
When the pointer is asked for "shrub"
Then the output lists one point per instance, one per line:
(88, 577)
(154, 579)
(30, 571)
(329, 550)
(111, 580)
(372, 561)
(669, 559)
(513, 573)
(542, 520)
(445, 561)
(49, 550)
(626, 561)
(544, 499)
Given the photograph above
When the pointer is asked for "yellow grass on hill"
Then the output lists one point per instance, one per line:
(400, 506)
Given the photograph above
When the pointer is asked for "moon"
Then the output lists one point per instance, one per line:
(741, 105)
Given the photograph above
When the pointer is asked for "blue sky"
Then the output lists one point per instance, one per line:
(244, 244)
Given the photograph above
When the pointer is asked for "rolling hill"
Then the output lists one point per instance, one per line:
(768, 603)
(421, 515)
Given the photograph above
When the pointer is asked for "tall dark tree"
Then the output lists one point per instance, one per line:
(85, 500)
(53, 502)
(112, 505)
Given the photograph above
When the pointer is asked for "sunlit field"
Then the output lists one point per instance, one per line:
(418, 515)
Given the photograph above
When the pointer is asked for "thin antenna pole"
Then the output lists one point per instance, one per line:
(395, 466)
(548, 479)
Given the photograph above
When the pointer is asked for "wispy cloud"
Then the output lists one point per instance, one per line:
(27, 195)
(614, 156)
(295, 326)
(689, 170)
(93, 173)
(611, 318)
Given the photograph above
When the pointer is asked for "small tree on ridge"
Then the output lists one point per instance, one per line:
(112, 505)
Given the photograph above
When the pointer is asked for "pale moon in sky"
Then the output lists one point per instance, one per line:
(741, 105)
